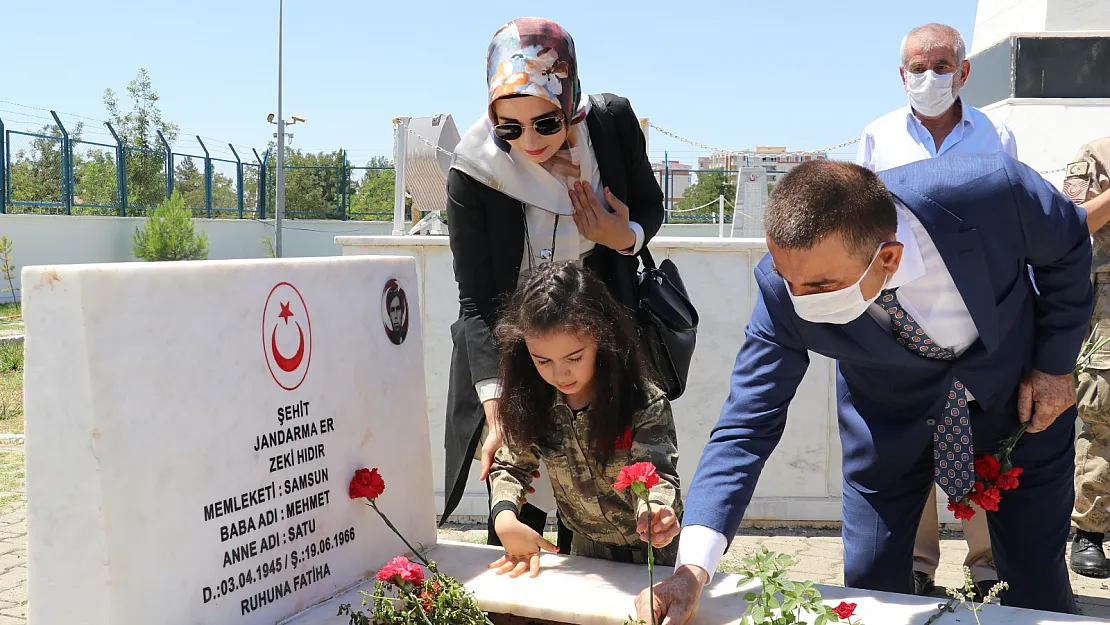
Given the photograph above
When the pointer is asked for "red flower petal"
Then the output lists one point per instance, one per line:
(988, 467)
(1009, 479)
(642, 472)
(962, 510)
(845, 610)
(985, 497)
(366, 483)
(400, 570)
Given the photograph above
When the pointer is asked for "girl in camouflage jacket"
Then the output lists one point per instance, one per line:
(577, 394)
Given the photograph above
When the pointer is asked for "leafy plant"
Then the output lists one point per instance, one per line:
(402, 595)
(779, 600)
(1090, 346)
(169, 234)
(268, 244)
(11, 356)
(438, 600)
(7, 267)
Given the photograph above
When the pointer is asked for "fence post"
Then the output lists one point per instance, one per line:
(343, 187)
(400, 131)
(121, 172)
(720, 216)
(3, 170)
(666, 187)
(238, 180)
(169, 164)
(67, 171)
(207, 178)
(261, 182)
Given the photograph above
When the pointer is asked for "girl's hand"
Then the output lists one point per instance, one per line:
(522, 546)
(664, 525)
(597, 224)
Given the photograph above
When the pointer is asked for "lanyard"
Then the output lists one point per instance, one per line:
(546, 254)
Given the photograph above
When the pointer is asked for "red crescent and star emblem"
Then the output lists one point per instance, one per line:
(286, 336)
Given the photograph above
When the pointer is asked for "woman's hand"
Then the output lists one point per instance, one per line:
(522, 546)
(664, 525)
(597, 224)
(493, 438)
(493, 442)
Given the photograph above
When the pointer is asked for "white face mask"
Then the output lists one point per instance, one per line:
(837, 307)
(931, 94)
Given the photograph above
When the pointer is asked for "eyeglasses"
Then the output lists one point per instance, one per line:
(545, 126)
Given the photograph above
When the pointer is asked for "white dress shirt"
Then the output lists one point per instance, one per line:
(899, 138)
(927, 292)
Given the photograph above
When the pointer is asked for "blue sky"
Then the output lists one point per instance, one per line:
(732, 74)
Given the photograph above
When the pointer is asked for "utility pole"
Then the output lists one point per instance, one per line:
(279, 200)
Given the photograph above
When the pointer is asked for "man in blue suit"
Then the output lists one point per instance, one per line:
(914, 280)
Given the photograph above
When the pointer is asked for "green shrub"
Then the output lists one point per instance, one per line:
(168, 234)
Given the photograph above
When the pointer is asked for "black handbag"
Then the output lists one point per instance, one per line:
(667, 323)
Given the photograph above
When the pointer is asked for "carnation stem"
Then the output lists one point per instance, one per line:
(1012, 441)
(651, 564)
(415, 601)
(419, 555)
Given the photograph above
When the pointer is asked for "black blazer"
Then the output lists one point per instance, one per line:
(487, 232)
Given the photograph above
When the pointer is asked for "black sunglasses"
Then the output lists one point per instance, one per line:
(545, 126)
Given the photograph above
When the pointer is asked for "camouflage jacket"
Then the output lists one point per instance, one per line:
(588, 504)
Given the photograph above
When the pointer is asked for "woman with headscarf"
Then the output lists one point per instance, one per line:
(546, 174)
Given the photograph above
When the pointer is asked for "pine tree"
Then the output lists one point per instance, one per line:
(168, 234)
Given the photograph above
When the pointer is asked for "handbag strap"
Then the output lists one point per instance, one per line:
(645, 256)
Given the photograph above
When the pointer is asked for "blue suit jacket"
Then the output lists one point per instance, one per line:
(990, 216)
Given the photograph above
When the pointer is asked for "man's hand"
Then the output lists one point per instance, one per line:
(522, 546)
(676, 598)
(493, 442)
(664, 525)
(1043, 397)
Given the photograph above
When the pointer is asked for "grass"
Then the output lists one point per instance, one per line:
(11, 388)
(12, 480)
(11, 318)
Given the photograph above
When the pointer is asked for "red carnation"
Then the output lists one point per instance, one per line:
(985, 497)
(962, 510)
(988, 467)
(845, 610)
(642, 472)
(400, 570)
(428, 596)
(367, 483)
(1009, 479)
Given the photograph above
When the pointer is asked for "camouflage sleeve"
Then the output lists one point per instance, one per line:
(511, 475)
(655, 440)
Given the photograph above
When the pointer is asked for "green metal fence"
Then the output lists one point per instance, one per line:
(105, 182)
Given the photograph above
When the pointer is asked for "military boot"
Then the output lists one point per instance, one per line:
(1087, 556)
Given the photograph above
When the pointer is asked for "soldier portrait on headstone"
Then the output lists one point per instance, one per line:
(395, 311)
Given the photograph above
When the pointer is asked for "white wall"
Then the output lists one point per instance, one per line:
(1050, 131)
(801, 481)
(60, 239)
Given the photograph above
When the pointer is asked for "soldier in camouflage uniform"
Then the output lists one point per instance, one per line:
(1087, 176)
(602, 518)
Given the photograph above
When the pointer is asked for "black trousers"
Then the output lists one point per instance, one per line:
(534, 518)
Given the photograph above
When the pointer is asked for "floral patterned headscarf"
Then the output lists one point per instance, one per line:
(534, 56)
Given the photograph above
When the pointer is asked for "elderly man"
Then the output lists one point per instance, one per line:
(914, 280)
(936, 122)
(1087, 178)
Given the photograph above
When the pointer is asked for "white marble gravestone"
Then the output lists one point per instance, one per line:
(192, 429)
